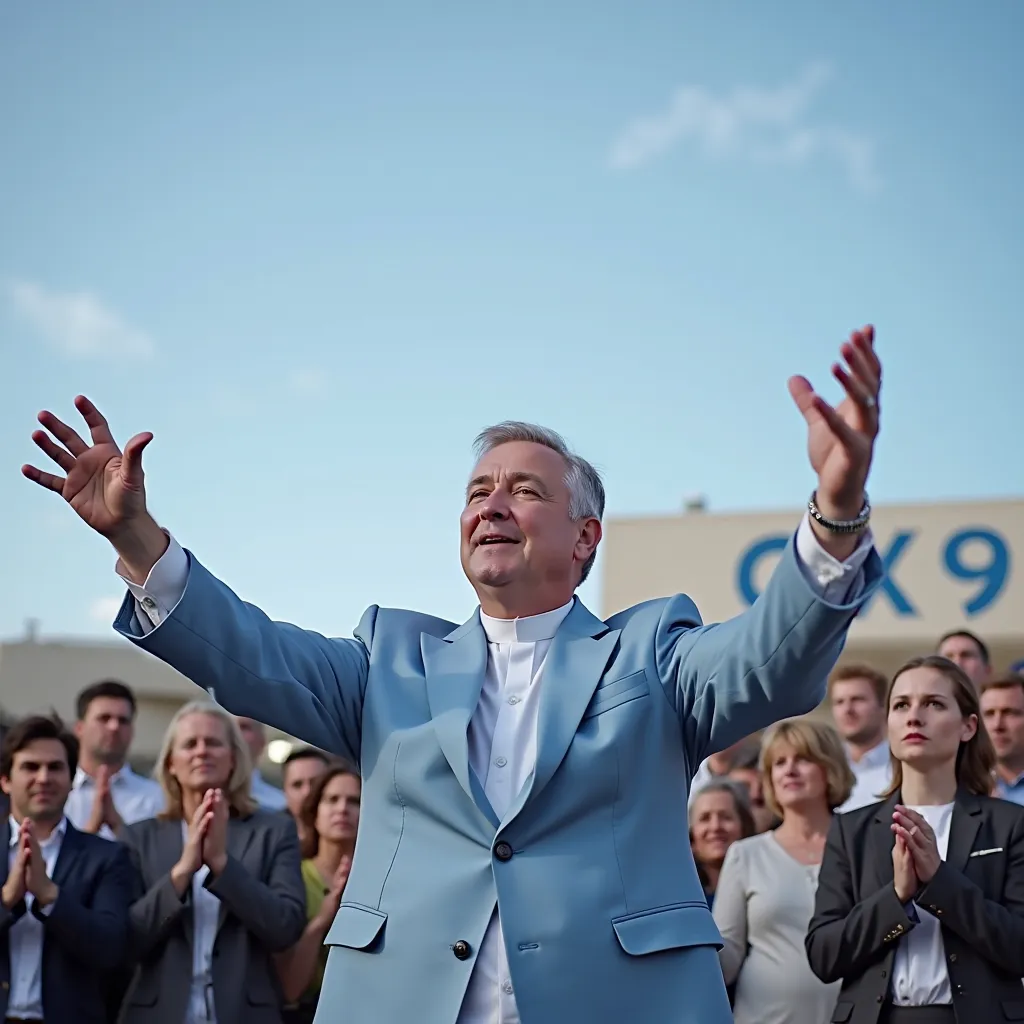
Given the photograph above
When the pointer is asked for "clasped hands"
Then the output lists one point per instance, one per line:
(206, 842)
(915, 854)
(28, 872)
(103, 810)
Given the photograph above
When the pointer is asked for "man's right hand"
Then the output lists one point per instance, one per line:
(103, 485)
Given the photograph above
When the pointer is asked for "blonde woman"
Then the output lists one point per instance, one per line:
(766, 888)
(222, 885)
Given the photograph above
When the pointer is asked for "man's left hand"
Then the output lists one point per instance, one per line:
(841, 441)
(37, 881)
(920, 840)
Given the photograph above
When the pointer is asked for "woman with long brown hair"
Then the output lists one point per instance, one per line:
(329, 820)
(920, 903)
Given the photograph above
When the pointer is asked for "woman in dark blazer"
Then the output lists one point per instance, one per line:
(222, 885)
(919, 909)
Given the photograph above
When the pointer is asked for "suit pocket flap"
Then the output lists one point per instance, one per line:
(675, 927)
(355, 926)
(1013, 1010)
(842, 1013)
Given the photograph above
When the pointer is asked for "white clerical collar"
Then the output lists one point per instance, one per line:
(530, 629)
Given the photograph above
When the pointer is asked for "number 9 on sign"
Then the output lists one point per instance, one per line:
(978, 555)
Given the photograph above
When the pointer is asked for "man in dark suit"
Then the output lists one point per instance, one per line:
(65, 895)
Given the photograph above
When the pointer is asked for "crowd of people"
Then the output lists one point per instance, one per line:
(787, 829)
(201, 894)
(207, 894)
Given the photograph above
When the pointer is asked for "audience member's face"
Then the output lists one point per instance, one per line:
(963, 651)
(858, 713)
(926, 727)
(797, 781)
(337, 816)
(106, 731)
(518, 493)
(255, 737)
(299, 776)
(716, 826)
(751, 780)
(1002, 710)
(40, 781)
(201, 755)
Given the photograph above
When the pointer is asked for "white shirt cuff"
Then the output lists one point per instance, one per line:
(833, 580)
(164, 586)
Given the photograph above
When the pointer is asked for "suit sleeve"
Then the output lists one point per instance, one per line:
(305, 684)
(730, 912)
(96, 935)
(730, 679)
(156, 910)
(844, 936)
(9, 916)
(994, 930)
(275, 910)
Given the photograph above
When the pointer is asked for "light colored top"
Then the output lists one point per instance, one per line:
(135, 797)
(873, 773)
(503, 727)
(1012, 791)
(763, 905)
(25, 938)
(919, 975)
(316, 892)
(269, 797)
(205, 916)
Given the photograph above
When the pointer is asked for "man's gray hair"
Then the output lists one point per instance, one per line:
(586, 491)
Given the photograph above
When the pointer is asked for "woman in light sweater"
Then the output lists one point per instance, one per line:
(765, 894)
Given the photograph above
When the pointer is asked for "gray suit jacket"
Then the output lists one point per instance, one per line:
(263, 911)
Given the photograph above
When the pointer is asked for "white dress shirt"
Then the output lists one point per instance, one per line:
(269, 797)
(205, 916)
(873, 773)
(25, 938)
(502, 732)
(135, 799)
(919, 975)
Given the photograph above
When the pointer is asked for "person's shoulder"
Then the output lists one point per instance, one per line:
(264, 819)
(404, 622)
(96, 847)
(675, 611)
(859, 818)
(1005, 813)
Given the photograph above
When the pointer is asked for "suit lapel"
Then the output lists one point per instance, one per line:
(454, 668)
(579, 653)
(240, 833)
(6, 850)
(880, 843)
(70, 847)
(963, 828)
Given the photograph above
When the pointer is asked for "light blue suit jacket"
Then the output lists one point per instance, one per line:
(602, 912)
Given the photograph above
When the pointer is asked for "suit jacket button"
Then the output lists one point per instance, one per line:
(952, 958)
(461, 950)
(503, 851)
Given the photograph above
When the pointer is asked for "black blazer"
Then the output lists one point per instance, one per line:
(977, 894)
(85, 933)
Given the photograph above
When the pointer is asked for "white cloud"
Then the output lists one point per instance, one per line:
(105, 609)
(78, 323)
(758, 125)
(308, 383)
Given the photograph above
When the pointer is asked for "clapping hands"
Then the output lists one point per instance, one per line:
(915, 854)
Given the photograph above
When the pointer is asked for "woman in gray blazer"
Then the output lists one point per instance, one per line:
(222, 885)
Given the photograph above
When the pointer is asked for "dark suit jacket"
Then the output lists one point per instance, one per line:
(977, 894)
(86, 931)
(263, 911)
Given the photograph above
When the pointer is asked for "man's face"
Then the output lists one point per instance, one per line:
(963, 651)
(516, 529)
(1002, 711)
(858, 715)
(106, 731)
(299, 776)
(40, 781)
(255, 737)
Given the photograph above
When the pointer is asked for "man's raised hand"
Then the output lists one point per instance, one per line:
(104, 485)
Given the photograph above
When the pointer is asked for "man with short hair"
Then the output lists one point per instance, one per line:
(301, 768)
(521, 853)
(1002, 710)
(857, 695)
(106, 794)
(65, 895)
(969, 651)
(269, 797)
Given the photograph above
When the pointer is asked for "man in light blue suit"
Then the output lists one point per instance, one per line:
(523, 851)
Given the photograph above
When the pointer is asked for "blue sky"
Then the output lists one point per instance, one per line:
(316, 247)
